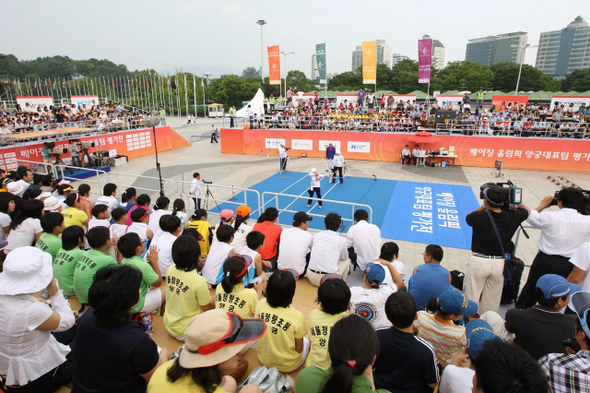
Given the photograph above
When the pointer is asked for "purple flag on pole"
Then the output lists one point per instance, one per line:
(424, 60)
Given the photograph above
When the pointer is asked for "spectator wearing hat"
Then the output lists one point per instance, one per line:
(31, 358)
(363, 240)
(540, 329)
(430, 279)
(113, 354)
(26, 228)
(295, 244)
(15, 188)
(328, 252)
(414, 367)
(52, 204)
(241, 228)
(272, 236)
(562, 232)
(368, 301)
(439, 329)
(457, 378)
(226, 216)
(53, 226)
(6, 207)
(213, 339)
(570, 373)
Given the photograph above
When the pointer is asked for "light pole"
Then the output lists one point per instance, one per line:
(524, 48)
(204, 79)
(286, 54)
(261, 22)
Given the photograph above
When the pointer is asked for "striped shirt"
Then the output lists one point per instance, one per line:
(447, 338)
(567, 373)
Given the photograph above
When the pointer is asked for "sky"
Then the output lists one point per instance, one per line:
(221, 36)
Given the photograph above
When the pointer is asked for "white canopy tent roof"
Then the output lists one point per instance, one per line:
(257, 103)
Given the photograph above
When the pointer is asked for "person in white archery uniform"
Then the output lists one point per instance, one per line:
(316, 177)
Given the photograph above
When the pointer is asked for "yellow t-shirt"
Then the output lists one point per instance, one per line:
(203, 228)
(283, 326)
(159, 382)
(73, 216)
(186, 292)
(320, 326)
(240, 300)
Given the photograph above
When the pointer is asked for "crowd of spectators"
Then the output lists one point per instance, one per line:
(223, 287)
(103, 117)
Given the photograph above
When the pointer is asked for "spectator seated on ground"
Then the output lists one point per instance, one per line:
(113, 353)
(389, 254)
(272, 235)
(100, 217)
(187, 292)
(439, 328)
(539, 330)
(139, 225)
(219, 252)
(64, 263)
(53, 226)
(255, 243)
(295, 245)
(328, 252)
(199, 222)
(171, 228)
(108, 197)
(231, 295)
(430, 279)
(363, 240)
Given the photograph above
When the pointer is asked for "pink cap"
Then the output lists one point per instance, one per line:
(226, 215)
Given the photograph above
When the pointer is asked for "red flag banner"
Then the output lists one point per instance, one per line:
(274, 65)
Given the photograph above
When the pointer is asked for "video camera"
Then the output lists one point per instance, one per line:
(86, 145)
(584, 209)
(513, 194)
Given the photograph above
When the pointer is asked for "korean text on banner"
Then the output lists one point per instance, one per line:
(369, 62)
(424, 60)
(320, 53)
(274, 65)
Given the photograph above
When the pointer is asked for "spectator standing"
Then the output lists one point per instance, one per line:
(196, 189)
(430, 279)
(480, 98)
(272, 235)
(328, 252)
(562, 232)
(484, 278)
(295, 245)
(414, 367)
(363, 240)
(215, 133)
(361, 97)
(330, 152)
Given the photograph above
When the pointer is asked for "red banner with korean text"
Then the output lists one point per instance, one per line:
(274, 65)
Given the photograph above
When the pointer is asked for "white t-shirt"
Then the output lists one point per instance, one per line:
(327, 249)
(196, 188)
(164, 244)
(95, 222)
(456, 380)
(140, 228)
(118, 229)
(406, 152)
(369, 304)
(24, 234)
(154, 222)
(5, 221)
(315, 180)
(581, 260)
(239, 241)
(110, 201)
(366, 240)
(217, 255)
(293, 248)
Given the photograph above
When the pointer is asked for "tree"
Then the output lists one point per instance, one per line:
(297, 80)
(250, 72)
(531, 79)
(346, 81)
(463, 75)
(232, 90)
(405, 77)
(579, 80)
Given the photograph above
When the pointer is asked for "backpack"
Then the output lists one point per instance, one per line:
(269, 380)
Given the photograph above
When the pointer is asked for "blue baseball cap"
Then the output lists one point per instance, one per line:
(478, 332)
(581, 305)
(375, 272)
(555, 287)
(453, 302)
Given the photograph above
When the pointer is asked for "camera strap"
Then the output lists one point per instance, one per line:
(497, 232)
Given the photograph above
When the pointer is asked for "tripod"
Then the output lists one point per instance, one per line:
(209, 195)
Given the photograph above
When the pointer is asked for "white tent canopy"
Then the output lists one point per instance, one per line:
(257, 104)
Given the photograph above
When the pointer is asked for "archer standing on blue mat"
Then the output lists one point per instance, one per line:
(315, 186)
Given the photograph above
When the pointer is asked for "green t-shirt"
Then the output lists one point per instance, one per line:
(86, 268)
(64, 265)
(311, 380)
(148, 275)
(49, 243)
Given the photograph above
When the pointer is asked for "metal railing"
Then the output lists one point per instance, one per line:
(353, 205)
(153, 185)
(547, 129)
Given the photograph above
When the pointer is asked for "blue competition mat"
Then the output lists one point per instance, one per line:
(417, 212)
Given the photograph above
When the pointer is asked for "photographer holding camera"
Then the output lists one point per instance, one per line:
(562, 232)
(484, 278)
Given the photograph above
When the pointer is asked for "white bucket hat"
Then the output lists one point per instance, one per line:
(51, 203)
(15, 188)
(26, 270)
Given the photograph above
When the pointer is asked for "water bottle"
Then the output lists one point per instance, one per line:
(146, 319)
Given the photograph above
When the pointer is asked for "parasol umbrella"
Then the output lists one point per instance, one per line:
(423, 137)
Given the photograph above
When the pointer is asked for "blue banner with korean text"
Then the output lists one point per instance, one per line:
(430, 213)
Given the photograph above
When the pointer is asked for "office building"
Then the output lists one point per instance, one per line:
(563, 51)
(438, 53)
(396, 58)
(497, 49)
(383, 55)
(315, 73)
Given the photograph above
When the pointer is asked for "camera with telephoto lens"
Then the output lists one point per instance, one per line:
(584, 209)
(87, 145)
(571, 343)
(512, 194)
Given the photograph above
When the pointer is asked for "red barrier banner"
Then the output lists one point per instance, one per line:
(544, 154)
(499, 101)
(132, 143)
